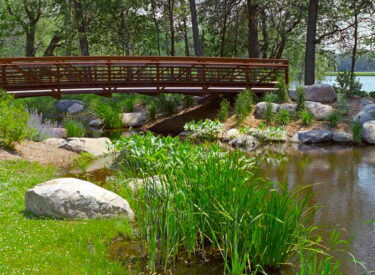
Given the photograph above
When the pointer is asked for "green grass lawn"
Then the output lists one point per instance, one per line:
(46, 246)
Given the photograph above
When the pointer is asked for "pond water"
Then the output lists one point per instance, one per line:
(345, 188)
(368, 82)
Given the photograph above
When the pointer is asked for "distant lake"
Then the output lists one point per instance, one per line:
(368, 82)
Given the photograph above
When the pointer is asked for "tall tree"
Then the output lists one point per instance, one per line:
(195, 26)
(253, 40)
(82, 21)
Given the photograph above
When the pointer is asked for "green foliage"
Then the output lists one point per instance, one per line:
(168, 103)
(342, 104)
(372, 94)
(348, 84)
(13, 121)
(151, 111)
(206, 129)
(334, 118)
(109, 115)
(301, 97)
(72, 247)
(266, 134)
(271, 97)
(83, 161)
(283, 117)
(188, 100)
(74, 128)
(282, 90)
(269, 115)
(243, 106)
(223, 113)
(306, 117)
(356, 128)
(128, 103)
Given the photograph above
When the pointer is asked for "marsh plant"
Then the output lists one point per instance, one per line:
(342, 104)
(282, 90)
(74, 128)
(42, 128)
(301, 98)
(110, 115)
(283, 117)
(204, 129)
(269, 115)
(243, 106)
(226, 209)
(334, 118)
(356, 128)
(13, 121)
(305, 116)
(151, 111)
(271, 97)
(223, 113)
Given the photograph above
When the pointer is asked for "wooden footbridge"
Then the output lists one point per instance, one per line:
(104, 75)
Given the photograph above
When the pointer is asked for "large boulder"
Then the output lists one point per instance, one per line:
(95, 146)
(134, 119)
(368, 131)
(245, 141)
(69, 198)
(342, 137)
(55, 142)
(260, 109)
(290, 107)
(318, 110)
(70, 106)
(367, 113)
(230, 134)
(317, 136)
(364, 102)
(322, 93)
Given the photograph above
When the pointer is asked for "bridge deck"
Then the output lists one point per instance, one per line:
(56, 76)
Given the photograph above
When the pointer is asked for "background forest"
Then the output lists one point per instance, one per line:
(328, 32)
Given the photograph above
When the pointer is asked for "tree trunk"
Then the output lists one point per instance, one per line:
(194, 21)
(224, 30)
(171, 25)
(82, 28)
(311, 42)
(187, 51)
(264, 34)
(52, 45)
(253, 40)
(30, 49)
(125, 33)
(156, 26)
(355, 46)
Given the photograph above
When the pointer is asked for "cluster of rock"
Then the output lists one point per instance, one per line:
(70, 198)
(366, 117)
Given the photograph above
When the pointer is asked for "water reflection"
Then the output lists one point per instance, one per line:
(346, 190)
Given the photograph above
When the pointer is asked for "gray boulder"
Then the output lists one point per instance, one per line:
(322, 93)
(364, 102)
(230, 134)
(342, 137)
(69, 198)
(55, 142)
(245, 141)
(95, 146)
(70, 106)
(290, 107)
(96, 123)
(318, 110)
(317, 136)
(368, 131)
(260, 109)
(133, 119)
(367, 113)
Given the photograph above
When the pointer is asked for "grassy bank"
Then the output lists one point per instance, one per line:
(31, 245)
(356, 73)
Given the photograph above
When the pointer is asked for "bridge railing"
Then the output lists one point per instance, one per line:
(57, 74)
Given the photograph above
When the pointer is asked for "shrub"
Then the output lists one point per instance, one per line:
(342, 104)
(206, 129)
(283, 117)
(13, 121)
(356, 128)
(74, 128)
(40, 128)
(306, 117)
(188, 100)
(109, 115)
(348, 84)
(224, 110)
(282, 90)
(271, 97)
(151, 111)
(168, 103)
(334, 118)
(301, 97)
(243, 106)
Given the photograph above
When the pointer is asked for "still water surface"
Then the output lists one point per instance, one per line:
(368, 82)
(346, 190)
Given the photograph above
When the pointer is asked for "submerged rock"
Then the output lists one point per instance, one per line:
(318, 110)
(317, 136)
(70, 198)
(134, 119)
(368, 131)
(96, 146)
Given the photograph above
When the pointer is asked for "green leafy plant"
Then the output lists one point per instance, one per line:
(301, 97)
(13, 121)
(74, 128)
(356, 128)
(206, 129)
(243, 106)
(283, 117)
(271, 97)
(349, 85)
(334, 118)
(282, 90)
(267, 134)
(306, 117)
(223, 113)
(269, 115)
(151, 111)
(109, 115)
(129, 104)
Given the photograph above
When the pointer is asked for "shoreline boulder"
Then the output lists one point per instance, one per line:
(98, 147)
(322, 93)
(368, 131)
(318, 110)
(136, 119)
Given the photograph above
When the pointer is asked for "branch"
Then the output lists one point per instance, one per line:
(336, 30)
